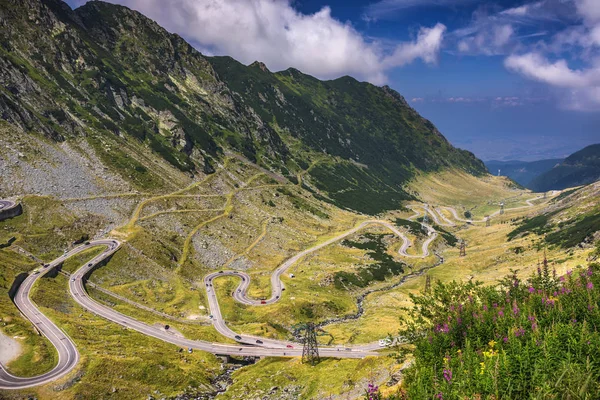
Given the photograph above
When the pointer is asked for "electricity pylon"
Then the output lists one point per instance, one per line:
(310, 350)
(463, 248)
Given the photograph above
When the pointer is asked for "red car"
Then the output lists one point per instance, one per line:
(263, 302)
(289, 346)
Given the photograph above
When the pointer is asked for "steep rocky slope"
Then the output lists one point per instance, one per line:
(107, 73)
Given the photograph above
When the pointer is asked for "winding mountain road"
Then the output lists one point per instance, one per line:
(68, 356)
(6, 204)
(456, 217)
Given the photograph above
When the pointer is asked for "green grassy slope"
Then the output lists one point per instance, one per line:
(103, 70)
(580, 168)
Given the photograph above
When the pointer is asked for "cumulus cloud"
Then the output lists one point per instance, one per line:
(589, 9)
(274, 32)
(578, 88)
(555, 73)
(426, 47)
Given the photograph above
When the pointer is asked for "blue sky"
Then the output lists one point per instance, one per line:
(506, 79)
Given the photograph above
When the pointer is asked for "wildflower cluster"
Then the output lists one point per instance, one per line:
(538, 337)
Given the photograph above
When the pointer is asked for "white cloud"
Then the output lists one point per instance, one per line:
(492, 40)
(517, 11)
(555, 73)
(589, 9)
(550, 62)
(387, 8)
(580, 87)
(426, 47)
(274, 32)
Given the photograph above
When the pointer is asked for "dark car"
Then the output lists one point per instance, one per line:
(259, 342)
(238, 337)
(220, 272)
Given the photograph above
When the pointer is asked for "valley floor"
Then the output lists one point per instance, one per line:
(243, 219)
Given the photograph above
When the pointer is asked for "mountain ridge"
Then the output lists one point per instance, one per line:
(522, 172)
(580, 168)
(103, 70)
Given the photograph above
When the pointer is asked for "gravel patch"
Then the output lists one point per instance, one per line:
(10, 349)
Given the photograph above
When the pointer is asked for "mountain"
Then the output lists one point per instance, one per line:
(521, 172)
(106, 73)
(580, 168)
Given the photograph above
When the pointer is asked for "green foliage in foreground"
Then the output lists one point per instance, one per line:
(537, 339)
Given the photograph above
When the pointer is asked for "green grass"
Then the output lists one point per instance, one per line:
(539, 225)
(573, 232)
(385, 266)
(329, 378)
(139, 365)
(46, 227)
(38, 355)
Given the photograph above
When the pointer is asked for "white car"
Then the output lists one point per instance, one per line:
(385, 342)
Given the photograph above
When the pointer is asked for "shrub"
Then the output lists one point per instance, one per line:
(533, 339)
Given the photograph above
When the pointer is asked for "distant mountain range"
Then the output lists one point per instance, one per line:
(580, 168)
(522, 172)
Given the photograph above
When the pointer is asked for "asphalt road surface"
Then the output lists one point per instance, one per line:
(68, 356)
(6, 204)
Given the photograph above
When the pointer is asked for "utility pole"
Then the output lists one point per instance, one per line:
(427, 283)
(501, 208)
(463, 248)
(310, 351)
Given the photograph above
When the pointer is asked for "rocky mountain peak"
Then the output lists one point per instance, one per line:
(260, 65)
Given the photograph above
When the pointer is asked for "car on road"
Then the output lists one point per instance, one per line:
(289, 346)
(263, 302)
(259, 342)
(385, 342)
(210, 316)
(87, 243)
(238, 337)
(220, 272)
(72, 279)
